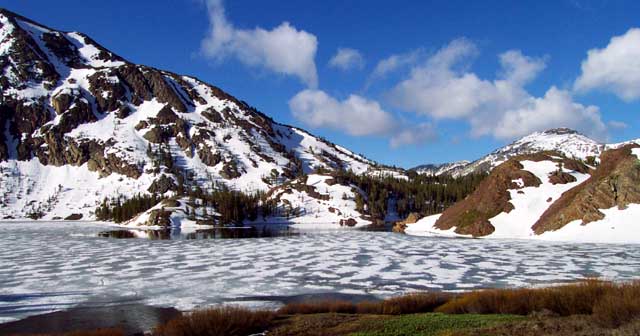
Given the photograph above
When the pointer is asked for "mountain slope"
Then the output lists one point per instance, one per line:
(80, 123)
(546, 196)
(562, 140)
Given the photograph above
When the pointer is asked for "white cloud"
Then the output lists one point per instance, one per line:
(520, 69)
(555, 109)
(615, 68)
(347, 59)
(395, 62)
(284, 49)
(355, 115)
(418, 134)
(443, 89)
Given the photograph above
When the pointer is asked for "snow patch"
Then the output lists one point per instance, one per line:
(618, 226)
(531, 202)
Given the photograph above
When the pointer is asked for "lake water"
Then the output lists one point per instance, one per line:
(48, 266)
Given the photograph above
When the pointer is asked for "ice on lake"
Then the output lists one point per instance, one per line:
(47, 266)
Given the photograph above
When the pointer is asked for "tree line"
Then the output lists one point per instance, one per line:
(423, 194)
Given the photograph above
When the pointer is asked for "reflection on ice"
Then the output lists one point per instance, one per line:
(263, 231)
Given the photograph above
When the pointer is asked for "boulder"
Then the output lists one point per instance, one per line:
(348, 222)
(73, 217)
(162, 185)
(402, 225)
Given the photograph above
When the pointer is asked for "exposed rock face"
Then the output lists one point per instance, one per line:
(471, 216)
(162, 185)
(348, 222)
(73, 217)
(616, 182)
(561, 178)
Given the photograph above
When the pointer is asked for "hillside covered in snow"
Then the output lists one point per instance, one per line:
(81, 124)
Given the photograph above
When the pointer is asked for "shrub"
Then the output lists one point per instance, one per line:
(219, 321)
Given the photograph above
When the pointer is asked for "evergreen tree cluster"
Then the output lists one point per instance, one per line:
(235, 206)
(119, 209)
(423, 194)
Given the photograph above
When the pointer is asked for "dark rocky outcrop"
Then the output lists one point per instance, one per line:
(162, 184)
(348, 222)
(109, 94)
(212, 115)
(230, 170)
(402, 225)
(73, 217)
(208, 156)
(560, 177)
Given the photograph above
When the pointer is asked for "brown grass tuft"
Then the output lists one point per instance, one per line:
(414, 303)
(610, 304)
(220, 321)
(618, 307)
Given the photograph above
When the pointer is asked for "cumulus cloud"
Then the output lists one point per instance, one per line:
(615, 68)
(520, 69)
(395, 62)
(355, 115)
(283, 49)
(556, 108)
(347, 59)
(442, 88)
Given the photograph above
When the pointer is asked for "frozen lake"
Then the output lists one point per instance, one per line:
(49, 266)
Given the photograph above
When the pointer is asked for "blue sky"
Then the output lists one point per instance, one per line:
(462, 77)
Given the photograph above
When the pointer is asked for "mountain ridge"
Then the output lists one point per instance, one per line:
(566, 141)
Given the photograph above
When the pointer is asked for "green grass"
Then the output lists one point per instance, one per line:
(433, 324)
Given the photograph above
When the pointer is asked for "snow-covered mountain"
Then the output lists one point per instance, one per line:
(80, 123)
(568, 142)
(440, 168)
(546, 196)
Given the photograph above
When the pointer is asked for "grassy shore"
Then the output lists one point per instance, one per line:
(591, 307)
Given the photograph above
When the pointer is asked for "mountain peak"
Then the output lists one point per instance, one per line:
(565, 141)
(561, 131)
